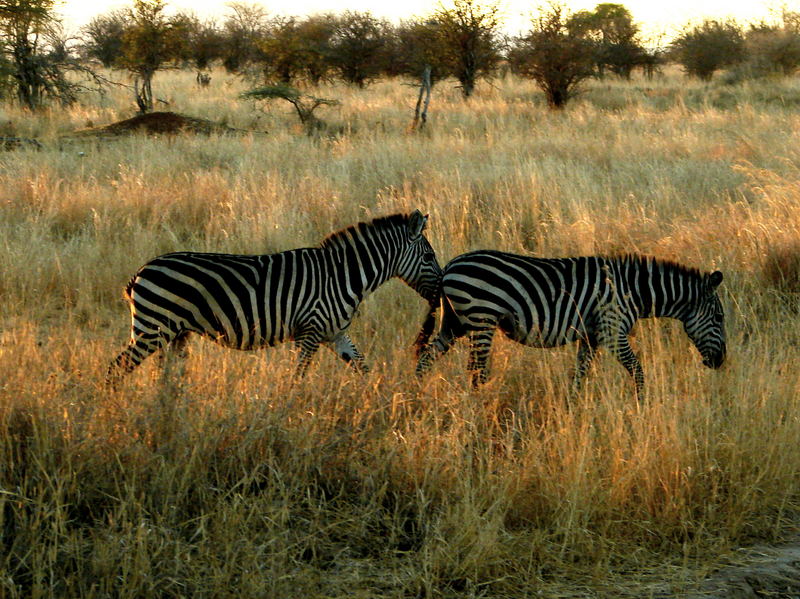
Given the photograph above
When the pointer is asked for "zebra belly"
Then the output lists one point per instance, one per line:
(541, 332)
(538, 338)
(253, 344)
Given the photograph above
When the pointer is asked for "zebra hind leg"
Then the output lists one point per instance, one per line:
(431, 352)
(138, 349)
(480, 348)
(172, 359)
(347, 351)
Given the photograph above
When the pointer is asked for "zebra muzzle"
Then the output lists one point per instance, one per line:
(714, 360)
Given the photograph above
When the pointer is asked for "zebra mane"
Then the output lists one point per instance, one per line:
(658, 263)
(381, 223)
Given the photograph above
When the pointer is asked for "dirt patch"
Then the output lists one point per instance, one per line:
(764, 572)
(753, 572)
(156, 123)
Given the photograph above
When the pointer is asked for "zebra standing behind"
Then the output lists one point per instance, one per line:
(248, 302)
(550, 302)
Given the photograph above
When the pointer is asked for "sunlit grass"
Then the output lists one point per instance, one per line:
(230, 480)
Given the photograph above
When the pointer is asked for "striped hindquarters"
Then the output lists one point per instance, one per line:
(240, 301)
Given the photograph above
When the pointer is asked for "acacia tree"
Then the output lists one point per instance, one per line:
(774, 47)
(204, 44)
(35, 56)
(468, 32)
(616, 36)
(419, 45)
(704, 49)
(315, 33)
(558, 59)
(150, 43)
(243, 29)
(294, 48)
(358, 46)
(102, 37)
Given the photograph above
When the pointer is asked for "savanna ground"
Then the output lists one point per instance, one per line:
(232, 481)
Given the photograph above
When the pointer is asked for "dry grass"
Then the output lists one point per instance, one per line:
(232, 482)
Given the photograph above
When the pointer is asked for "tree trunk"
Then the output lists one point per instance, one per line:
(144, 94)
(424, 89)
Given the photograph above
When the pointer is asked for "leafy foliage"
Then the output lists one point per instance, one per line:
(706, 48)
(554, 56)
(468, 32)
(103, 36)
(150, 42)
(36, 56)
(359, 45)
(419, 43)
(615, 35)
(243, 28)
(297, 48)
(774, 48)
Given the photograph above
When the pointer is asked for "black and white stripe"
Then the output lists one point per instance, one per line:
(550, 302)
(246, 302)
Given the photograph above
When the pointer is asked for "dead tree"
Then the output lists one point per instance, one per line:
(420, 118)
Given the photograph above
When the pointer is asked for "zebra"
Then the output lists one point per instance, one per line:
(548, 302)
(246, 302)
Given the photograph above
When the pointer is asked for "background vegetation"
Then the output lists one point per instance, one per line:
(231, 481)
(235, 482)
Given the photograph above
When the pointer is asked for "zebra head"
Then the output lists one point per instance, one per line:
(705, 322)
(418, 266)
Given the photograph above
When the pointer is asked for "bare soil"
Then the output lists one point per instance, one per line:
(156, 123)
(755, 572)
(766, 572)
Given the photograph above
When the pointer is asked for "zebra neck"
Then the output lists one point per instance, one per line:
(675, 293)
(365, 264)
(656, 288)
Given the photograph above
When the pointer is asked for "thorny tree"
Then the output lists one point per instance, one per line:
(469, 38)
(150, 43)
(35, 55)
(557, 59)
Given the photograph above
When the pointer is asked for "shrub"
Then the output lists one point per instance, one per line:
(555, 57)
(709, 47)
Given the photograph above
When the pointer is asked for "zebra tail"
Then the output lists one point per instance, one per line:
(127, 293)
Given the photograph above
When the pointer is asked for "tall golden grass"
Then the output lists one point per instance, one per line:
(232, 481)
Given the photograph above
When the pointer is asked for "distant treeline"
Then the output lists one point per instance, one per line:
(461, 40)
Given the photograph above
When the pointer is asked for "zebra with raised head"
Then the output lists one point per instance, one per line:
(545, 302)
(246, 302)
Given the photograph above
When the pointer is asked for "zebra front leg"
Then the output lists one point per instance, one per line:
(347, 351)
(480, 348)
(587, 350)
(624, 353)
(308, 346)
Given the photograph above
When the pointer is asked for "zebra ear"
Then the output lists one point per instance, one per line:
(416, 224)
(713, 280)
